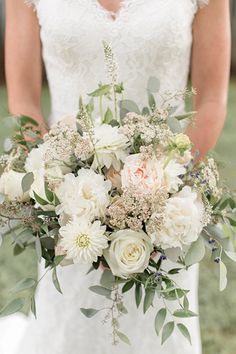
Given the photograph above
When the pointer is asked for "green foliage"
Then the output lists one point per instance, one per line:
(89, 312)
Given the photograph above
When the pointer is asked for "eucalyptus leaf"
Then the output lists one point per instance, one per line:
(123, 337)
(38, 248)
(138, 294)
(129, 106)
(223, 276)
(153, 84)
(186, 303)
(151, 101)
(187, 115)
(55, 280)
(100, 290)
(148, 299)
(27, 181)
(23, 284)
(18, 250)
(12, 307)
(174, 125)
(167, 331)
(184, 313)
(89, 312)
(185, 332)
(145, 111)
(160, 320)
(196, 252)
(107, 279)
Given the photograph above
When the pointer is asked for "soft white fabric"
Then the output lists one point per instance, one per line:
(149, 37)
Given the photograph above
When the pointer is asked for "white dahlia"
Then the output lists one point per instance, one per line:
(85, 195)
(183, 220)
(110, 146)
(83, 241)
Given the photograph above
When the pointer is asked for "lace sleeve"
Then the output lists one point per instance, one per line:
(202, 3)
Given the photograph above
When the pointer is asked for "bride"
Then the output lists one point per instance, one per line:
(164, 38)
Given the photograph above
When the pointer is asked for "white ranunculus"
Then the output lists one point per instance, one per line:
(10, 186)
(183, 217)
(85, 195)
(110, 146)
(83, 241)
(128, 253)
(38, 187)
(35, 160)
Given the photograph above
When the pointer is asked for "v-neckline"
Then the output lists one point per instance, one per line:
(113, 16)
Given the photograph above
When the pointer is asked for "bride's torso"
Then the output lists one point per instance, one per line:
(149, 37)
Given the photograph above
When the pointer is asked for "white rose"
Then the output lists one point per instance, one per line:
(38, 187)
(84, 195)
(110, 146)
(128, 253)
(183, 217)
(10, 186)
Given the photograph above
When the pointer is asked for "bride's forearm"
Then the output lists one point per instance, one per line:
(207, 126)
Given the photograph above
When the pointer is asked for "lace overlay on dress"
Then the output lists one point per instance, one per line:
(149, 37)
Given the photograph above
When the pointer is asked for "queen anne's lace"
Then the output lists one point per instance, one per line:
(149, 37)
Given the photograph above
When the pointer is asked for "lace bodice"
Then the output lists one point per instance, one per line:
(149, 37)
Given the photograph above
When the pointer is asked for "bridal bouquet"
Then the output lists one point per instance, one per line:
(119, 190)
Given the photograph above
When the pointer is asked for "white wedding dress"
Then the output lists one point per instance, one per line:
(149, 37)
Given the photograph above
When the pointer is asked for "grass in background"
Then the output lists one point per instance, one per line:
(217, 310)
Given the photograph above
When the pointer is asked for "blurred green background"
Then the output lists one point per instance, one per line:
(217, 310)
